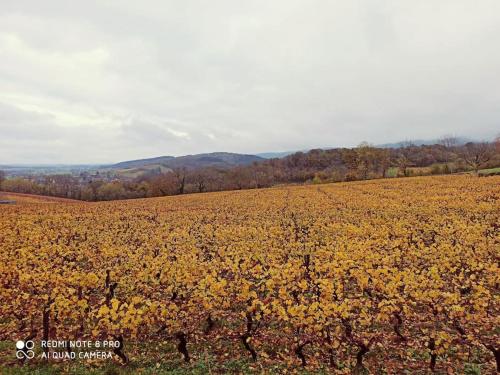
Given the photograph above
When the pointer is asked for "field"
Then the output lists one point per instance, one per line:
(395, 276)
(491, 171)
(136, 172)
(18, 198)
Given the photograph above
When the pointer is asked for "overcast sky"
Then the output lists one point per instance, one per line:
(104, 81)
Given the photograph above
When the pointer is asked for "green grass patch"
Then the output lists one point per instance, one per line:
(392, 172)
(489, 171)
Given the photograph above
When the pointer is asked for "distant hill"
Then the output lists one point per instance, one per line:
(421, 142)
(45, 169)
(416, 142)
(214, 159)
(142, 162)
(275, 155)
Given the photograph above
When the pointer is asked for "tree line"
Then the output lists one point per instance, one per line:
(315, 166)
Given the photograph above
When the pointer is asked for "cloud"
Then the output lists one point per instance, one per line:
(101, 81)
(137, 130)
(17, 125)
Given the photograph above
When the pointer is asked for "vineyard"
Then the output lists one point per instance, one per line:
(387, 276)
(19, 198)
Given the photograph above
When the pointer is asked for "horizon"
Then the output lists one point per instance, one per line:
(108, 163)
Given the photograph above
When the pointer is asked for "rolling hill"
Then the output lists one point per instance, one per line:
(161, 160)
(214, 159)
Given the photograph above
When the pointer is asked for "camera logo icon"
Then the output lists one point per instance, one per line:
(25, 349)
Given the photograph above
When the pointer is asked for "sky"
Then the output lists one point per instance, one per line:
(104, 81)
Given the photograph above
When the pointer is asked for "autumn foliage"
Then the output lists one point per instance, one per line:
(394, 274)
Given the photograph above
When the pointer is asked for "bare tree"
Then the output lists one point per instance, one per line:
(180, 176)
(404, 159)
(199, 178)
(448, 141)
(2, 178)
(240, 177)
(383, 161)
(164, 184)
(476, 155)
(407, 143)
(366, 159)
(350, 158)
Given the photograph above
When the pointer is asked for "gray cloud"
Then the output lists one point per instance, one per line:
(106, 81)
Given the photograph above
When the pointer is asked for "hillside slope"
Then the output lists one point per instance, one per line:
(20, 198)
(214, 159)
(142, 162)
